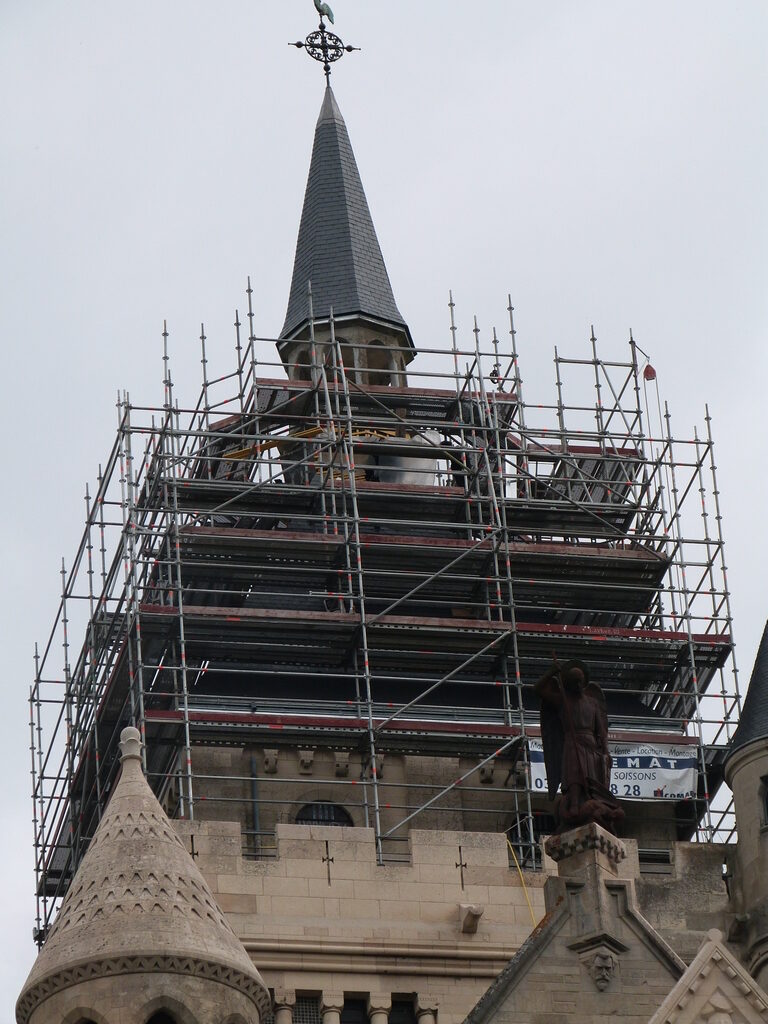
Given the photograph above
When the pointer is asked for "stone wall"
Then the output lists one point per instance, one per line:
(399, 928)
(406, 929)
(692, 899)
(285, 779)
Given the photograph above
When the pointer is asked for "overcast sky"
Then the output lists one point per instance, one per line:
(605, 162)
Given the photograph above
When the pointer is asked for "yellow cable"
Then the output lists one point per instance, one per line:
(522, 881)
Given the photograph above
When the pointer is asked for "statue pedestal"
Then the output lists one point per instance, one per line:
(585, 850)
(588, 859)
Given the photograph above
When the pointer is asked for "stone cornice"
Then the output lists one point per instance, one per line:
(582, 839)
(141, 964)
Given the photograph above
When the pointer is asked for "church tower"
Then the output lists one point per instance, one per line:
(323, 597)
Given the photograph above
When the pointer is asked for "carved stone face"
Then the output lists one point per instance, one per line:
(601, 970)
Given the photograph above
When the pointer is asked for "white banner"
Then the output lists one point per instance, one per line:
(641, 771)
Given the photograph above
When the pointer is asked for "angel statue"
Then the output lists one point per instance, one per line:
(574, 734)
(324, 11)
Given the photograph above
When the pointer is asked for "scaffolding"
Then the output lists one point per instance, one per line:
(343, 560)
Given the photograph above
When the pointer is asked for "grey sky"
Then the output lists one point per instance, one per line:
(602, 161)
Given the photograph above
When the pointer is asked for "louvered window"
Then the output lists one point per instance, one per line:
(323, 814)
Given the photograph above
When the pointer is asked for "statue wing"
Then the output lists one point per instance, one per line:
(601, 787)
(596, 693)
(552, 740)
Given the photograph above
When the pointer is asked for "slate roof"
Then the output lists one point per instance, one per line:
(753, 724)
(337, 248)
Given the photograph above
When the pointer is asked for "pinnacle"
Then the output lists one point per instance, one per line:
(337, 251)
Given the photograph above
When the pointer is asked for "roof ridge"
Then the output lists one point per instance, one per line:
(753, 722)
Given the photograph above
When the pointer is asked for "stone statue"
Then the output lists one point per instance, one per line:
(324, 11)
(574, 734)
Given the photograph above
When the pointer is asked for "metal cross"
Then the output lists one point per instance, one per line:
(322, 45)
(461, 863)
(328, 859)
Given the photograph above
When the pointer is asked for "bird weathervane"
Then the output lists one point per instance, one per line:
(322, 45)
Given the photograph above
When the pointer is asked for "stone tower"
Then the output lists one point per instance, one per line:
(139, 938)
(746, 772)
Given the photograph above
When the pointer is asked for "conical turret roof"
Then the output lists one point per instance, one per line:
(753, 724)
(138, 902)
(337, 249)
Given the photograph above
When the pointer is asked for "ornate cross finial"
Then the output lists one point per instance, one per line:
(322, 45)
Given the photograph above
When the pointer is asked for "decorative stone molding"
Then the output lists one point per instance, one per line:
(331, 1005)
(342, 764)
(379, 1003)
(426, 1003)
(284, 997)
(283, 1002)
(306, 762)
(718, 1010)
(583, 839)
(469, 917)
(146, 964)
(137, 892)
(715, 988)
(330, 1001)
(270, 761)
(486, 774)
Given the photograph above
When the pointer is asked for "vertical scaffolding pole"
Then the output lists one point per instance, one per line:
(130, 529)
(723, 567)
(349, 461)
(686, 614)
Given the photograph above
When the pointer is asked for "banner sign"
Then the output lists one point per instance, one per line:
(641, 771)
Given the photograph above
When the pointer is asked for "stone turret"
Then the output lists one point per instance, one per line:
(139, 932)
(338, 254)
(746, 772)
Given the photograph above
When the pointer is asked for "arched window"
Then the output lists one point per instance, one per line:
(379, 362)
(303, 365)
(161, 1018)
(764, 799)
(323, 814)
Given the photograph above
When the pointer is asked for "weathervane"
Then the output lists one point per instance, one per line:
(323, 46)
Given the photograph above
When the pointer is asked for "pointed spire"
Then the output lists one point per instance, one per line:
(138, 906)
(753, 724)
(337, 249)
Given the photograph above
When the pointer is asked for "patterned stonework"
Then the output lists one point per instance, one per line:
(148, 964)
(715, 988)
(585, 838)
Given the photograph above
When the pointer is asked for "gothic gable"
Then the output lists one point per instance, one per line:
(715, 989)
(594, 957)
